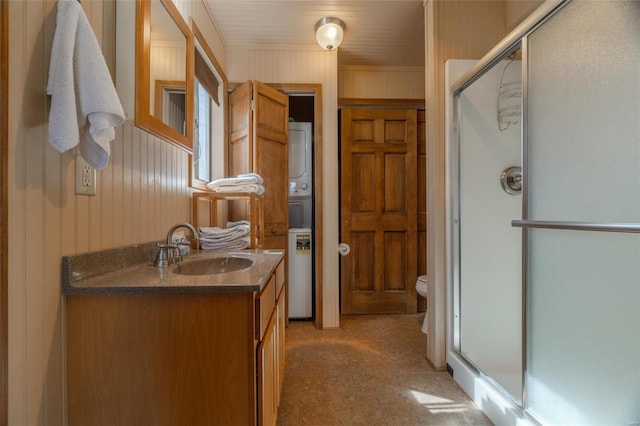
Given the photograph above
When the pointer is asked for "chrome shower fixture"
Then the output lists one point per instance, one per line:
(511, 180)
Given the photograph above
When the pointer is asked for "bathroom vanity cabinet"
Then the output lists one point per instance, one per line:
(213, 357)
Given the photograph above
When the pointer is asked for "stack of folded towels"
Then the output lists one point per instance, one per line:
(248, 182)
(235, 236)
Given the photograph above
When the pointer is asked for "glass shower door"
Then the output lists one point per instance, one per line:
(582, 175)
(490, 251)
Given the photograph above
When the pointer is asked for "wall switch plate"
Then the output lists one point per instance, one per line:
(85, 177)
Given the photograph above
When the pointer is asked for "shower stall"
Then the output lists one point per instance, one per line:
(543, 148)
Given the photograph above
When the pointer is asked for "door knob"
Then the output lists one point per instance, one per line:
(344, 249)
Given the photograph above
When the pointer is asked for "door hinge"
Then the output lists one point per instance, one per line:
(253, 105)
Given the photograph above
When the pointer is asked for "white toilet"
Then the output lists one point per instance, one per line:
(423, 288)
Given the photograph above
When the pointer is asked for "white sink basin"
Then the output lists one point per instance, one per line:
(217, 265)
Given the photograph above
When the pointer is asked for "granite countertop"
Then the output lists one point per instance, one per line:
(130, 270)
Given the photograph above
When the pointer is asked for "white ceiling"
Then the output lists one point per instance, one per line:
(378, 32)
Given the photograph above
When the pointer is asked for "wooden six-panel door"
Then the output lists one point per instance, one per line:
(378, 168)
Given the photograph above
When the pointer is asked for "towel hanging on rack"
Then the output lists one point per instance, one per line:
(85, 107)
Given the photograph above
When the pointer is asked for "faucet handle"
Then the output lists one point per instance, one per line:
(174, 253)
(162, 257)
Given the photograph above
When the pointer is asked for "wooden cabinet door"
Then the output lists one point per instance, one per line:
(378, 168)
(282, 319)
(258, 142)
(240, 130)
(271, 160)
(268, 376)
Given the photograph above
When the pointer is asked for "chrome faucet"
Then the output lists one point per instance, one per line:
(181, 225)
(169, 252)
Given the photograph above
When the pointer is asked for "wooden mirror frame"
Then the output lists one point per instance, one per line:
(198, 183)
(143, 108)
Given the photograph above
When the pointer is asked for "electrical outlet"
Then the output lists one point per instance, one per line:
(85, 177)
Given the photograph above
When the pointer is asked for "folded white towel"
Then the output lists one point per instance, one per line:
(213, 231)
(223, 237)
(219, 235)
(235, 236)
(237, 244)
(243, 179)
(85, 106)
(258, 189)
(255, 178)
(239, 222)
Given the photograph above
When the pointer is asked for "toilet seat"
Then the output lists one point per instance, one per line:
(422, 285)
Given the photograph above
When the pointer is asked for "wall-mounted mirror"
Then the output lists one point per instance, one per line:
(208, 161)
(164, 72)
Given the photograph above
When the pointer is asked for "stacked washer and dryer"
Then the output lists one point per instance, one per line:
(300, 221)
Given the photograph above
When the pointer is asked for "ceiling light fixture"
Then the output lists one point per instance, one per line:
(329, 32)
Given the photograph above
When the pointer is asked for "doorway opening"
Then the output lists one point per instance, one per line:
(305, 106)
(301, 201)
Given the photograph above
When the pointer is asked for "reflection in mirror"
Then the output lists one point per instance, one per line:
(164, 72)
(202, 149)
(168, 51)
(169, 104)
(210, 87)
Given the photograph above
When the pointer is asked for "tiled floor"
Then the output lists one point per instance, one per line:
(371, 371)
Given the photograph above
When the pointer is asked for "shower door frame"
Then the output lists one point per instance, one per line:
(473, 378)
(475, 383)
(455, 184)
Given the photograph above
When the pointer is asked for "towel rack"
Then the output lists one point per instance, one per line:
(255, 211)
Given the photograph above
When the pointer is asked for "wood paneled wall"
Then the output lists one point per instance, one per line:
(140, 194)
(367, 82)
(289, 66)
(168, 61)
(518, 10)
(456, 29)
(199, 11)
(4, 226)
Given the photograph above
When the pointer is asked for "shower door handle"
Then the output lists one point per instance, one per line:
(578, 226)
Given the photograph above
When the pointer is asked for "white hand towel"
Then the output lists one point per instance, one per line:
(84, 103)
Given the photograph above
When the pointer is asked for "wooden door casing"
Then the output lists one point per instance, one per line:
(378, 210)
(422, 202)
